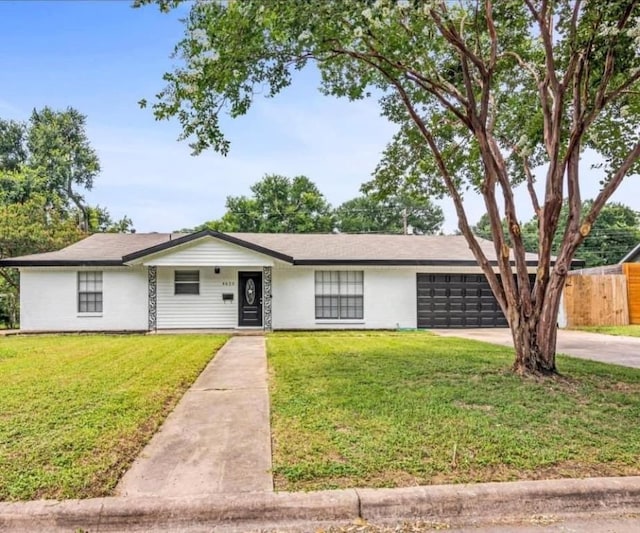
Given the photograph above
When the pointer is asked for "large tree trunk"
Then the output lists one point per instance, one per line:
(534, 336)
(535, 351)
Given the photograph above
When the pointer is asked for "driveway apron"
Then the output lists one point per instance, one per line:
(617, 350)
(218, 438)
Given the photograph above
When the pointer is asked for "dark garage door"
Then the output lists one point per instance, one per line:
(457, 301)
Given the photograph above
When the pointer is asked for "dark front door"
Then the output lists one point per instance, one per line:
(250, 299)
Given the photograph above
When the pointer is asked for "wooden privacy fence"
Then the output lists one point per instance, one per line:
(632, 272)
(599, 300)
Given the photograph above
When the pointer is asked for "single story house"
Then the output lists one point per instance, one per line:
(156, 281)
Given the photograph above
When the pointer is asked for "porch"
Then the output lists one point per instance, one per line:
(215, 298)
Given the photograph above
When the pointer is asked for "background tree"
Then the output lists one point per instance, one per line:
(59, 149)
(278, 205)
(26, 228)
(529, 231)
(45, 166)
(51, 155)
(615, 233)
(12, 145)
(369, 214)
(482, 93)
(17, 186)
(482, 228)
(100, 221)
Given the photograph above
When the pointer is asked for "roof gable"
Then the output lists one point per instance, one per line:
(205, 248)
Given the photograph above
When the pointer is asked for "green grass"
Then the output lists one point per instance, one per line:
(76, 410)
(406, 409)
(628, 331)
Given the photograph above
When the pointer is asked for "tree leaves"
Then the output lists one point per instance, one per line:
(482, 93)
(278, 205)
(369, 214)
(615, 234)
(45, 167)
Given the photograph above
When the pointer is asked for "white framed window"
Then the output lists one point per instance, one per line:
(89, 292)
(339, 294)
(187, 282)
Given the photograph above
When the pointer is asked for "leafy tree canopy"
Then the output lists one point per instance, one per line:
(615, 233)
(46, 165)
(13, 151)
(55, 147)
(393, 214)
(278, 205)
(483, 92)
(51, 156)
(101, 221)
(35, 226)
(59, 149)
(29, 227)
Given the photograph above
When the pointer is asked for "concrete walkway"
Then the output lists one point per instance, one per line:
(218, 438)
(617, 350)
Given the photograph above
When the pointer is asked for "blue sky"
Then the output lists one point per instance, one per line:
(103, 57)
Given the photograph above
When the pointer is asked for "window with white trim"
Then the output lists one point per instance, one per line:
(339, 294)
(89, 292)
(187, 282)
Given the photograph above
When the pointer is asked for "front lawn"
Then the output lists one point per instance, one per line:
(626, 331)
(76, 410)
(406, 409)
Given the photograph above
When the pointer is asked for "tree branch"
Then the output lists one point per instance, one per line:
(573, 59)
(442, 84)
(7, 277)
(530, 180)
(454, 38)
(438, 90)
(542, 18)
(449, 181)
(611, 186)
(486, 82)
(519, 252)
(612, 96)
(570, 245)
(610, 58)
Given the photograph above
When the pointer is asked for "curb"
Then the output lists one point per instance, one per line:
(509, 500)
(204, 512)
(458, 504)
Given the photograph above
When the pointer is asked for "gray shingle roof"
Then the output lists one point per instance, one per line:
(110, 248)
(99, 247)
(350, 247)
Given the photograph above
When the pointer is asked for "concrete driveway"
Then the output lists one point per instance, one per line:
(623, 351)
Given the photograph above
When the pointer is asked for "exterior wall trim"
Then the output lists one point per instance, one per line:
(153, 297)
(398, 262)
(266, 298)
(60, 263)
